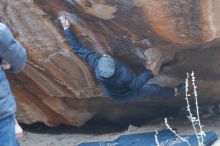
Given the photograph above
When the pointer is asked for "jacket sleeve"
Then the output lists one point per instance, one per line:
(11, 50)
(139, 81)
(88, 55)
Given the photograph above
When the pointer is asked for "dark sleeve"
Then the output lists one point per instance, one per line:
(88, 55)
(141, 79)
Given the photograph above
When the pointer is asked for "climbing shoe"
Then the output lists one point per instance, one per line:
(179, 89)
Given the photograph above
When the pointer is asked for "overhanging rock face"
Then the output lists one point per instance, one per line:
(57, 87)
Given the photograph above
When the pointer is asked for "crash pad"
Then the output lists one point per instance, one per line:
(165, 137)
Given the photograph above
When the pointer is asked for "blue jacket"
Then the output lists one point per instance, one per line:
(123, 83)
(7, 101)
(12, 52)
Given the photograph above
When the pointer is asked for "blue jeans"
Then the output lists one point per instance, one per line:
(151, 90)
(7, 132)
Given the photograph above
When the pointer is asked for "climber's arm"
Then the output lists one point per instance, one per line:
(87, 54)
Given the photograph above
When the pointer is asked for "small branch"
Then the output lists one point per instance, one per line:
(156, 138)
(190, 117)
(174, 132)
(201, 134)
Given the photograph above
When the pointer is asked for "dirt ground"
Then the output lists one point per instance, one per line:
(40, 135)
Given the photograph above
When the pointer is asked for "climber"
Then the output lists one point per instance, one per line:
(13, 58)
(115, 79)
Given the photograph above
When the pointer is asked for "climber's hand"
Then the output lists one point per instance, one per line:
(64, 21)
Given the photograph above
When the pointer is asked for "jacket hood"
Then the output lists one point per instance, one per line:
(106, 67)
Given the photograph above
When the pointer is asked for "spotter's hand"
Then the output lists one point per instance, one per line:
(5, 65)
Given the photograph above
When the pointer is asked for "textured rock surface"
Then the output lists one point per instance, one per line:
(57, 87)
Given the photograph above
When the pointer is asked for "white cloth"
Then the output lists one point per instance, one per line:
(18, 130)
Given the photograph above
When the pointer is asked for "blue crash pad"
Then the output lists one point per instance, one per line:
(165, 137)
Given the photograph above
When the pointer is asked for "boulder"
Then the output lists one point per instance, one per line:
(58, 87)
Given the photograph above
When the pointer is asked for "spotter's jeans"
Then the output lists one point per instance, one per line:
(7, 132)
